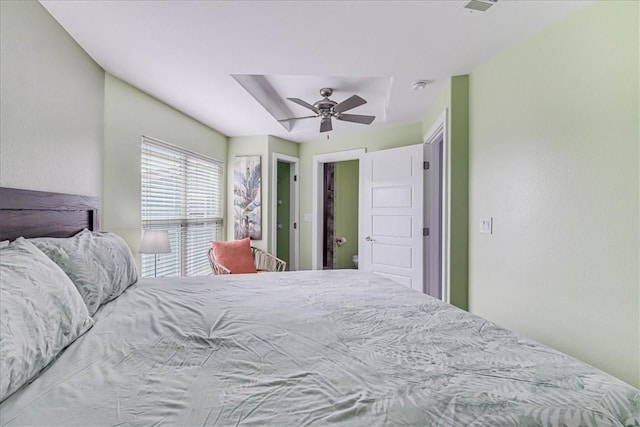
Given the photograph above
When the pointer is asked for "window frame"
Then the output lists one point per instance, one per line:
(185, 168)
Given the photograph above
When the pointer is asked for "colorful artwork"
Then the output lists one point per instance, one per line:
(247, 217)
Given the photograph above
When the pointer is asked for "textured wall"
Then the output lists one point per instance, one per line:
(554, 141)
(51, 105)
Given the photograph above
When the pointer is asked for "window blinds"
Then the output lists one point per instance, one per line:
(182, 192)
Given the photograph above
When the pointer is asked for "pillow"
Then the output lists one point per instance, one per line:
(236, 255)
(4, 244)
(100, 265)
(41, 314)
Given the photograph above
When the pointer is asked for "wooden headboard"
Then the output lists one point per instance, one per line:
(30, 213)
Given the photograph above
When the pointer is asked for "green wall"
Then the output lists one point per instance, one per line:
(554, 159)
(51, 105)
(346, 211)
(442, 103)
(371, 140)
(459, 193)
(283, 146)
(129, 114)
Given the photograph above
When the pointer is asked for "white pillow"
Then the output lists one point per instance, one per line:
(41, 314)
(4, 244)
(100, 265)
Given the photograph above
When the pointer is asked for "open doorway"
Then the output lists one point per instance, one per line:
(340, 215)
(285, 233)
(349, 198)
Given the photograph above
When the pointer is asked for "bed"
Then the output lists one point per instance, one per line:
(307, 348)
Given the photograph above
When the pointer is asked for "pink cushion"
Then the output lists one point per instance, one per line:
(235, 255)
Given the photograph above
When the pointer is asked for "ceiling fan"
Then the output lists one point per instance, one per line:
(326, 109)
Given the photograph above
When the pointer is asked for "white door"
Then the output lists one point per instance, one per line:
(391, 242)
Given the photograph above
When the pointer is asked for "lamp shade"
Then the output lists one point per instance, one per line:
(155, 242)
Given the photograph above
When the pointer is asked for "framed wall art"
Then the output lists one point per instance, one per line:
(247, 188)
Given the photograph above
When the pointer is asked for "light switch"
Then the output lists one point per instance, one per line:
(486, 226)
(308, 217)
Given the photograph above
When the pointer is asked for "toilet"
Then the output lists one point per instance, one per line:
(354, 259)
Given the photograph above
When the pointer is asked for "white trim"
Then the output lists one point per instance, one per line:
(294, 254)
(440, 127)
(436, 129)
(316, 225)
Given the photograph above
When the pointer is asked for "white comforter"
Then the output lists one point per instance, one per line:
(309, 348)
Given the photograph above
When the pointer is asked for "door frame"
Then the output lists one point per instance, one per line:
(294, 206)
(438, 130)
(317, 229)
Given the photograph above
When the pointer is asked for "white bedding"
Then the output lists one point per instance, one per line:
(309, 348)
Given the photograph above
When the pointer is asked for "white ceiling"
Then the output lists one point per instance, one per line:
(185, 52)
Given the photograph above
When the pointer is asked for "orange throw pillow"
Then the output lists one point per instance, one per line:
(235, 255)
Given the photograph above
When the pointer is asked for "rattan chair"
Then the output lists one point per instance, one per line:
(263, 261)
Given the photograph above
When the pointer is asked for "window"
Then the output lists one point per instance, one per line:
(182, 193)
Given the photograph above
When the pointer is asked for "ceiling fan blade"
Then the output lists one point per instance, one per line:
(297, 118)
(356, 118)
(304, 104)
(349, 103)
(325, 124)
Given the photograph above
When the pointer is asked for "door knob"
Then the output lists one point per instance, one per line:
(368, 239)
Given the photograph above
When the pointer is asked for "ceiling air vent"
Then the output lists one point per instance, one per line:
(480, 5)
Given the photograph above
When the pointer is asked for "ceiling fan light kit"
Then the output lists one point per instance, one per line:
(327, 109)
